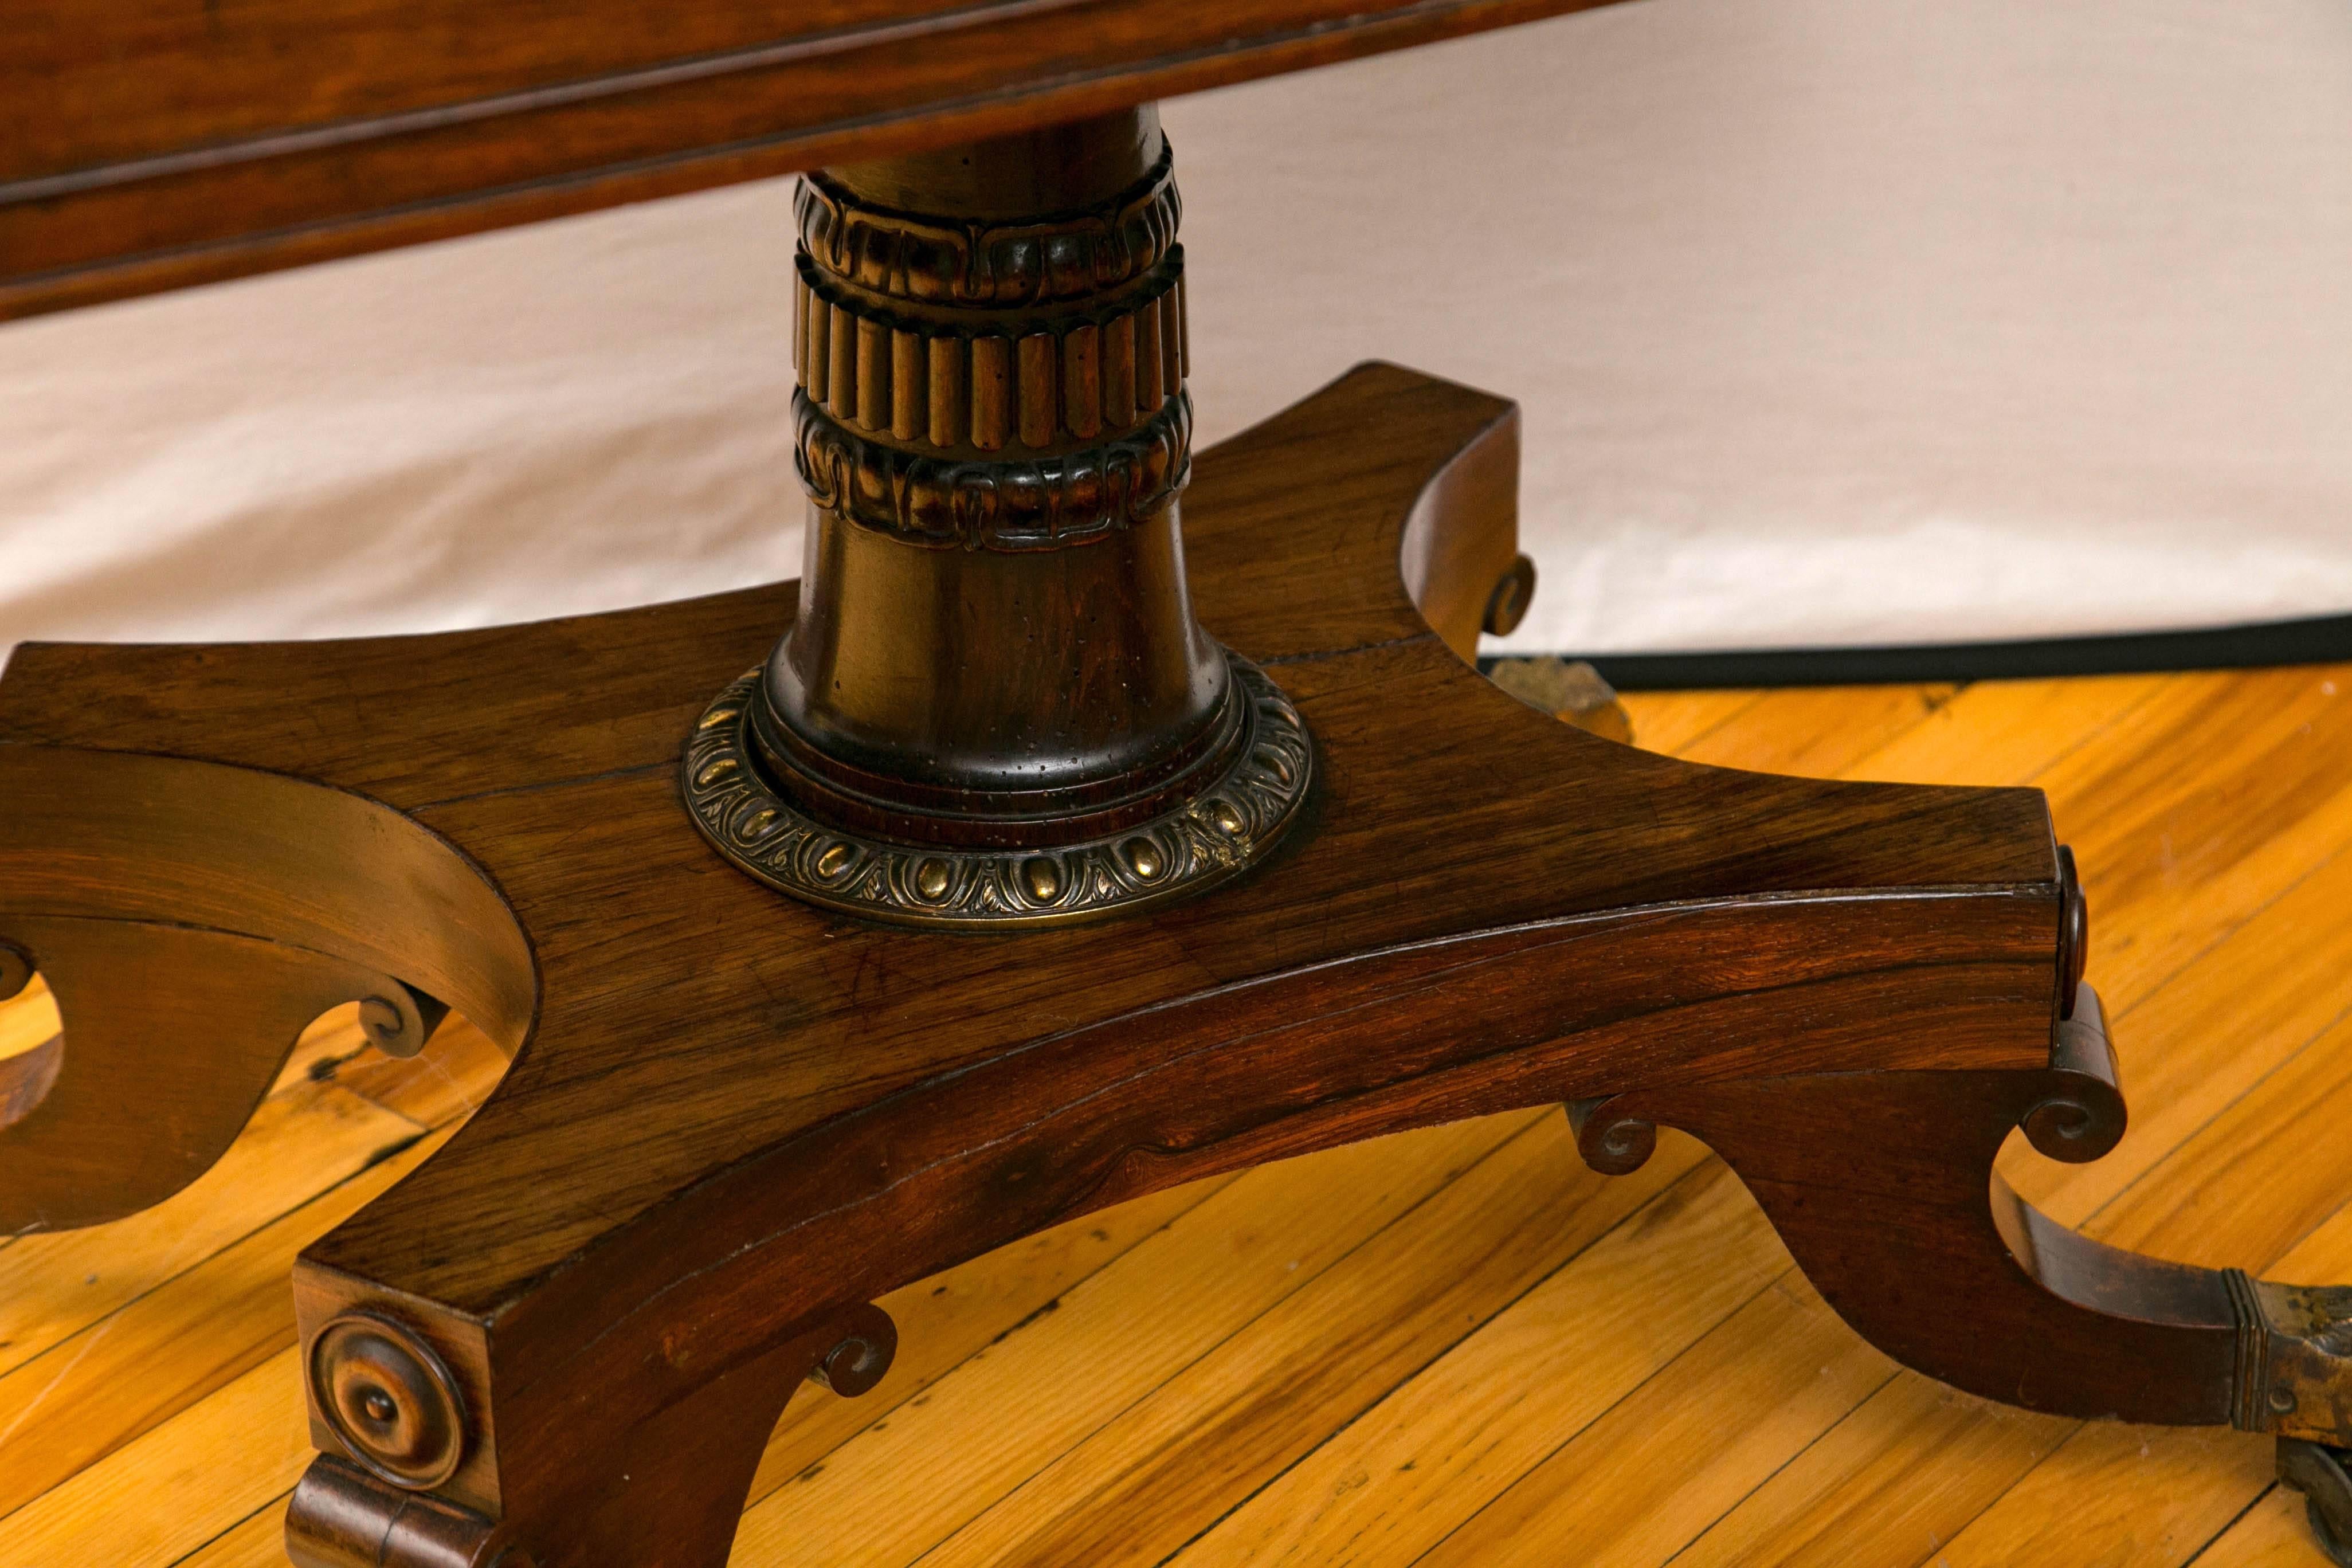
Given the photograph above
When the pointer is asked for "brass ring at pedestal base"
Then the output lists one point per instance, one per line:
(1231, 823)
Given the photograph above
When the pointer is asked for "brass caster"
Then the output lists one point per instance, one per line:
(2318, 1471)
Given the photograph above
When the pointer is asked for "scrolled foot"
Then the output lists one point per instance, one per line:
(645, 1469)
(1570, 690)
(1499, 914)
(2294, 1360)
(1882, 1186)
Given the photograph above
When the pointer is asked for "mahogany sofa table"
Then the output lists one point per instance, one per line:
(1037, 849)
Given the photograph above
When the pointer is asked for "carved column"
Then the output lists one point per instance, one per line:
(995, 707)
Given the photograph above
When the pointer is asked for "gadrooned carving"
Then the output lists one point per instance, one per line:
(978, 262)
(1229, 824)
(1036, 503)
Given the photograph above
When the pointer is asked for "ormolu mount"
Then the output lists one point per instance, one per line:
(994, 707)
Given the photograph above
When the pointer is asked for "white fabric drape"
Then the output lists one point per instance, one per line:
(1834, 320)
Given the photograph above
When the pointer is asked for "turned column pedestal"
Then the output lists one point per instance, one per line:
(994, 707)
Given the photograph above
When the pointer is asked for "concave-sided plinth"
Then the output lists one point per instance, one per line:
(995, 707)
(736, 1119)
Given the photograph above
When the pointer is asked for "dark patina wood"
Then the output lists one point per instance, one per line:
(645, 1239)
(994, 706)
(149, 145)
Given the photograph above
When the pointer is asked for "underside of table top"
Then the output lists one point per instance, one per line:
(151, 145)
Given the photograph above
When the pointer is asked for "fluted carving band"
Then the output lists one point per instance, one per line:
(988, 383)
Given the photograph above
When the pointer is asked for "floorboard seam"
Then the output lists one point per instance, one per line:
(1694, 1174)
(1994, 1501)
(231, 1528)
(1728, 720)
(946, 1373)
(2251, 1504)
(99, 1324)
(1799, 1453)
(2103, 727)
(1367, 1240)
(2159, 1163)
(1549, 1455)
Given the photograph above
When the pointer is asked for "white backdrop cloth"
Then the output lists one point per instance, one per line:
(1834, 322)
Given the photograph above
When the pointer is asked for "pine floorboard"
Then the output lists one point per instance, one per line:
(1450, 1348)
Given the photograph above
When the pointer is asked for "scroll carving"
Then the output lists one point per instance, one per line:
(237, 905)
(2082, 1116)
(141, 1001)
(1613, 1142)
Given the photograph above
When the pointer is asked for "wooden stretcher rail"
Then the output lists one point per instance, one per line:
(154, 144)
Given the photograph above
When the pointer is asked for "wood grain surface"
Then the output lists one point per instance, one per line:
(1450, 1347)
(150, 144)
(805, 1113)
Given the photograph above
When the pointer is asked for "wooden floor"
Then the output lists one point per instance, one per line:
(1450, 1348)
